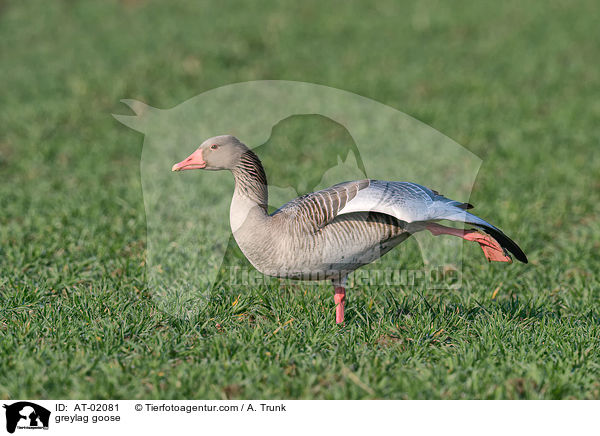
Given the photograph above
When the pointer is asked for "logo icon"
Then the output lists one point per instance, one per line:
(26, 415)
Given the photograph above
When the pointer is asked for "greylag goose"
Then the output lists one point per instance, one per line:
(328, 234)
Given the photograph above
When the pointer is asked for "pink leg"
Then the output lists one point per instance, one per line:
(491, 249)
(339, 298)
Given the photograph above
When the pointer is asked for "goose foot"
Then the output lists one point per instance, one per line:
(339, 298)
(491, 249)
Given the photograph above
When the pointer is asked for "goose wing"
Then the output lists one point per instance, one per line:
(406, 201)
(414, 203)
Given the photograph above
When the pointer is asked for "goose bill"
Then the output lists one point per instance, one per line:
(195, 161)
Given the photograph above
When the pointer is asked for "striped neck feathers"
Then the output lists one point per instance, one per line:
(250, 179)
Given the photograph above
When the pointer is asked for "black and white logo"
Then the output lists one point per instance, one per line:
(26, 415)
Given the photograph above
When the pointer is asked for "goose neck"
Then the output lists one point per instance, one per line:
(250, 179)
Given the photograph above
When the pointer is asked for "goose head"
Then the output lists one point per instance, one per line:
(217, 153)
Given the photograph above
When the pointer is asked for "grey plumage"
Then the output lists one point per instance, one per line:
(329, 233)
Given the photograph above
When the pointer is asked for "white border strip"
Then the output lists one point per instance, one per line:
(321, 417)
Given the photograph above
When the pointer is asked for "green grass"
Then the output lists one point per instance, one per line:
(519, 86)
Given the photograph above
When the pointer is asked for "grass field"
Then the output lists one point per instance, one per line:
(517, 85)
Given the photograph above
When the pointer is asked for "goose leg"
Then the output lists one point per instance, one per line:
(339, 298)
(491, 249)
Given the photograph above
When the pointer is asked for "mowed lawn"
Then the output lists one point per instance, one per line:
(517, 84)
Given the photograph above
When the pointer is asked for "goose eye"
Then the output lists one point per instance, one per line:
(214, 147)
